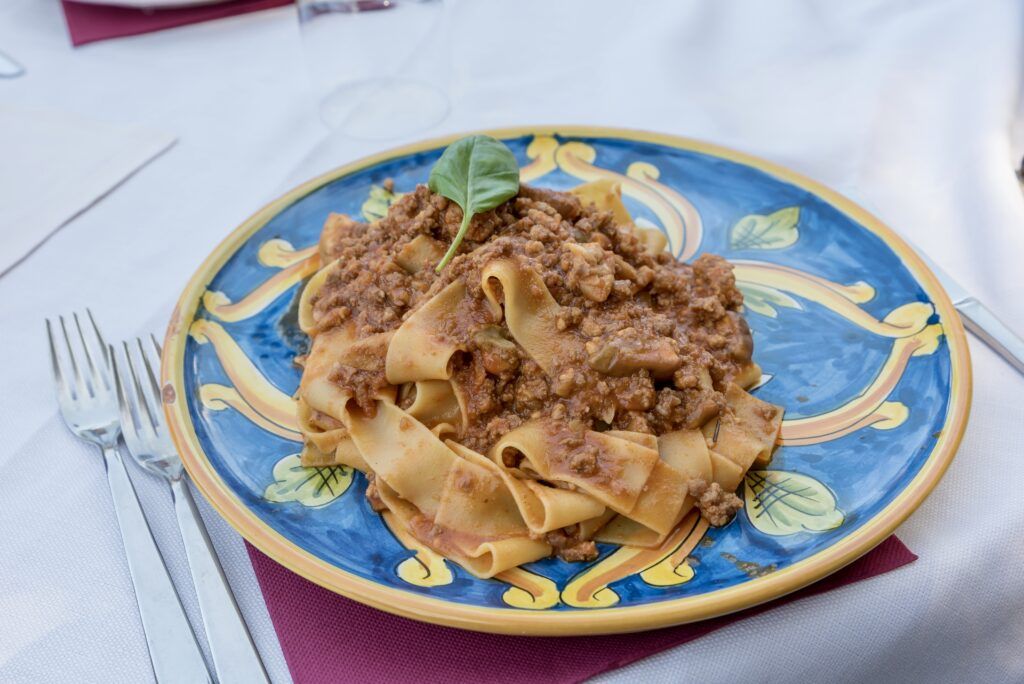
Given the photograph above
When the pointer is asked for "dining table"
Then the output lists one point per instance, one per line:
(913, 109)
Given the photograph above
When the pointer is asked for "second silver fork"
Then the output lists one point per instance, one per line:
(144, 429)
(89, 407)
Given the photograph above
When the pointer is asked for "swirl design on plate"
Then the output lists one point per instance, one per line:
(778, 502)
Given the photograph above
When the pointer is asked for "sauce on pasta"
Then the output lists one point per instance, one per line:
(562, 381)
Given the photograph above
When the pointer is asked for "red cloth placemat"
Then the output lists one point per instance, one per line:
(327, 638)
(88, 23)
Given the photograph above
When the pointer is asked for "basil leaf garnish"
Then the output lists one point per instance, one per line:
(478, 173)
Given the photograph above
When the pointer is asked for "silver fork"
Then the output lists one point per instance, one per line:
(88, 404)
(235, 657)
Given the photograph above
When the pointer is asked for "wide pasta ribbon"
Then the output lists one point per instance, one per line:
(531, 313)
(493, 513)
(447, 496)
(422, 348)
(620, 472)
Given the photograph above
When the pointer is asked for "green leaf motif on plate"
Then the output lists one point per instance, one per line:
(781, 503)
(764, 300)
(774, 231)
(313, 487)
(377, 203)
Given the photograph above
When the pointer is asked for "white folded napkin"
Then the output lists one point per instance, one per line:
(54, 165)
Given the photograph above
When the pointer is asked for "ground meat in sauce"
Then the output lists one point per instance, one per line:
(659, 339)
(567, 545)
(372, 495)
(716, 505)
(659, 345)
(366, 382)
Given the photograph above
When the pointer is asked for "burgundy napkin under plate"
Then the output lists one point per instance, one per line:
(327, 638)
(88, 23)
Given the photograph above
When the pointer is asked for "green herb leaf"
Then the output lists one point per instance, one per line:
(774, 231)
(478, 173)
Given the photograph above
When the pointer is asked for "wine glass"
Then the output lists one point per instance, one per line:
(380, 67)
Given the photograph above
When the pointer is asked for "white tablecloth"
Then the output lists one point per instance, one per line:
(910, 108)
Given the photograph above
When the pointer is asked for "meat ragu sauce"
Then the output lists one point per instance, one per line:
(660, 339)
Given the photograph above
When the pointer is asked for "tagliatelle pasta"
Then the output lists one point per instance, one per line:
(562, 382)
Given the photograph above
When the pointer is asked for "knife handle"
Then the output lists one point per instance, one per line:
(993, 332)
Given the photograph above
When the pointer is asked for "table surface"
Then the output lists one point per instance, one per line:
(912, 109)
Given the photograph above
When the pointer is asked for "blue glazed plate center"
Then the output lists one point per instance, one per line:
(846, 336)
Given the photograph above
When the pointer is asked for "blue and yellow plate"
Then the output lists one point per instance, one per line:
(855, 336)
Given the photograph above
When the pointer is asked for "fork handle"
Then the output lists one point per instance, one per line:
(235, 657)
(172, 644)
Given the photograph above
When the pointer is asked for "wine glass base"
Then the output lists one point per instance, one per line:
(381, 108)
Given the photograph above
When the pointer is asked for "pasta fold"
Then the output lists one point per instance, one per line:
(451, 395)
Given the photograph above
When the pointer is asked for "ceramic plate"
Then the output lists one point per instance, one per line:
(855, 336)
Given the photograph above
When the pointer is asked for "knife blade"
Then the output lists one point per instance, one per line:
(979, 319)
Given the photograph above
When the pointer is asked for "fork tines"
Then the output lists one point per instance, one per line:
(138, 390)
(79, 382)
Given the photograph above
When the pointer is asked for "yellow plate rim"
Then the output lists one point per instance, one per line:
(587, 621)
